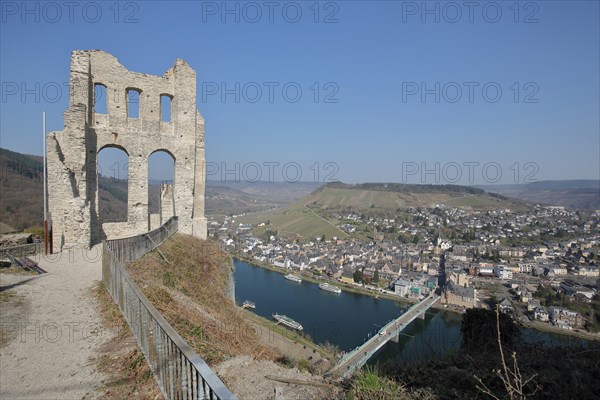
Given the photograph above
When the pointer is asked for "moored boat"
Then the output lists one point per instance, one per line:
(287, 321)
(293, 278)
(330, 288)
(248, 304)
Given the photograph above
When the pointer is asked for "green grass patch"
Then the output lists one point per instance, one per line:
(368, 384)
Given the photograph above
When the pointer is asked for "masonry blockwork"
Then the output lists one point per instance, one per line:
(177, 129)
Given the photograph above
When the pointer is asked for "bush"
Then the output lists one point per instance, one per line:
(479, 330)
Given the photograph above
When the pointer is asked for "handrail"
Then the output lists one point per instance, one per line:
(134, 247)
(178, 370)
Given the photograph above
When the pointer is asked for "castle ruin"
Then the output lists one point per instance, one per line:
(73, 197)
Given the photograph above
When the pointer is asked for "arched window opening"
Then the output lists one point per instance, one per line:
(112, 184)
(100, 105)
(133, 103)
(161, 188)
(165, 107)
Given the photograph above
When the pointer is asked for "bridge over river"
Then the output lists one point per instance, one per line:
(355, 359)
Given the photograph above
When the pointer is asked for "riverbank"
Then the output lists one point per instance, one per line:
(535, 325)
(297, 348)
(344, 286)
(548, 327)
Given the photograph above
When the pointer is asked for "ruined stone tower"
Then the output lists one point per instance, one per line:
(72, 153)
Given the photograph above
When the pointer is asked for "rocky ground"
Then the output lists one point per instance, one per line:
(255, 379)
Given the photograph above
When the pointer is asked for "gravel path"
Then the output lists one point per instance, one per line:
(49, 349)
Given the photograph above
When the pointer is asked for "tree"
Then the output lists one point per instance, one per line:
(496, 255)
(323, 238)
(358, 276)
(479, 328)
(376, 276)
(494, 301)
(512, 379)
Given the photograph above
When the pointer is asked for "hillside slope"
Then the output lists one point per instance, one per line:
(360, 199)
(230, 197)
(22, 192)
(295, 219)
(583, 194)
(305, 217)
(190, 291)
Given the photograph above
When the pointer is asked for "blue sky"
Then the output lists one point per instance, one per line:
(363, 68)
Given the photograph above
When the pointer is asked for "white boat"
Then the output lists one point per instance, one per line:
(287, 321)
(248, 304)
(330, 288)
(293, 278)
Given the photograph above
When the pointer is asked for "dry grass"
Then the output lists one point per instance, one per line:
(121, 359)
(189, 291)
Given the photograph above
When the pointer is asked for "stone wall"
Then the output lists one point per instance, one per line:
(116, 229)
(154, 221)
(167, 206)
(72, 153)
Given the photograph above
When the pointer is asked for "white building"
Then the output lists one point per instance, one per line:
(401, 287)
(502, 272)
(486, 269)
(526, 267)
(541, 314)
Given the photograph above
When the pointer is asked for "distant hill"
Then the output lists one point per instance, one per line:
(305, 217)
(584, 194)
(232, 197)
(21, 190)
(364, 196)
(407, 188)
(21, 194)
(281, 192)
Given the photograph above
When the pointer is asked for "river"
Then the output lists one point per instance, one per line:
(348, 319)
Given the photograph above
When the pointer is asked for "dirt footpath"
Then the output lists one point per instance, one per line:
(51, 329)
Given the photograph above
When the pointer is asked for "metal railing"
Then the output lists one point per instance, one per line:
(179, 372)
(134, 247)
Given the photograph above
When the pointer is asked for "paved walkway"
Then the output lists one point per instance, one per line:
(49, 355)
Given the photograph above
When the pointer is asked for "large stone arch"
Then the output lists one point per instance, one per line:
(72, 153)
(112, 146)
